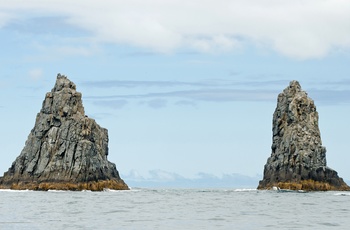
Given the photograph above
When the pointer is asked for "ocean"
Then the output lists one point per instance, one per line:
(142, 208)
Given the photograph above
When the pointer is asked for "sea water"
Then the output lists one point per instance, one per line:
(174, 209)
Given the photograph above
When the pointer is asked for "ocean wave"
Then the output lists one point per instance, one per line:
(54, 190)
(113, 190)
(342, 194)
(12, 190)
(245, 190)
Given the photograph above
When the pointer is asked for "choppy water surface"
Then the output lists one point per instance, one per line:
(174, 209)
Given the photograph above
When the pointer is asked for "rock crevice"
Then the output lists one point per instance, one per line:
(65, 146)
(298, 159)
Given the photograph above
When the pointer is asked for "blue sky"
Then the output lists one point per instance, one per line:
(184, 87)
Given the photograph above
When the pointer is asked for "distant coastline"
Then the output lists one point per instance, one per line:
(164, 179)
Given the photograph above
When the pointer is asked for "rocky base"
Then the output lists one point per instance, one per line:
(307, 185)
(320, 179)
(45, 186)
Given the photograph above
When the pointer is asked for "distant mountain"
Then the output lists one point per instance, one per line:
(161, 178)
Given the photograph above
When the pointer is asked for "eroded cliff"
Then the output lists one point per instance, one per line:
(298, 159)
(65, 149)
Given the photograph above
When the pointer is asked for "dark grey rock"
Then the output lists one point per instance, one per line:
(297, 151)
(65, 145)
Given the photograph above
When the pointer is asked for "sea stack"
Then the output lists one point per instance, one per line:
(66, 150)
(298, 159)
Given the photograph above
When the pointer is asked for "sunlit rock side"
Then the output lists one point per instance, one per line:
(298, 159)
(65, 150)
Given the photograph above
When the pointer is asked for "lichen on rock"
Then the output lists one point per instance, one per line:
(65, 147)
(298, 159)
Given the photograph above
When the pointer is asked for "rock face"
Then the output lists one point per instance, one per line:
(298, 159)
(65, 149)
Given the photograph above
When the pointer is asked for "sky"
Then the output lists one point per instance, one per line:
(186, 87)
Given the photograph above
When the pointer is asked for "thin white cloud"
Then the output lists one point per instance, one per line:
(114, 104)
(163, 84)
(297, 29)
(215, 95)
(330, 97)
(190, 93)
(193, 97)
(35, 74)
(156, 103)
(134, 84)
(335, 85)
(219, 95)
(71, 48)
(186, 103)
(5, 18)
(61, 49)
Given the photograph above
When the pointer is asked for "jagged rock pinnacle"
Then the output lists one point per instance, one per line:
(298, 159)
(65, 149)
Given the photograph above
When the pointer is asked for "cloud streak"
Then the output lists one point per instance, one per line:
(114, 104)
(297, 29)
(331, 97)
(190, 93)
(134, 84)
(219, 95)
(156, 103)
(170, 84)
(35, 74)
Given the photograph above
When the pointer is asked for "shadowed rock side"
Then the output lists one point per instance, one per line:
(65, 150)
(298, 159)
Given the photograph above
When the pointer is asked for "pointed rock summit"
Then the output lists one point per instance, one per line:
(65, 150)
(298, 159)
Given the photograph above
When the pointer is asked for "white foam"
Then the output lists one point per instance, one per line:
(342, 194)
(245, 189)
(54, 190)
(12, 190)
(113, 190)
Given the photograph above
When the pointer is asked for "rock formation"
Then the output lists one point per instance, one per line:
(65, 150)
(298, 159)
